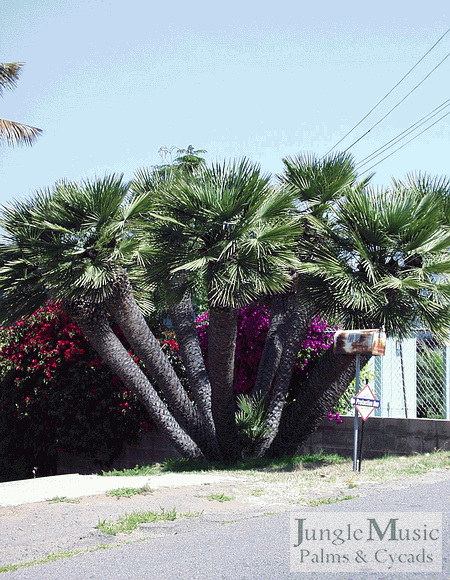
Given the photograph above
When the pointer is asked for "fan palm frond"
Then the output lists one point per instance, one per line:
(228, 225)
(382, 260)
(316, 182)
(13, 133)
(76, 236)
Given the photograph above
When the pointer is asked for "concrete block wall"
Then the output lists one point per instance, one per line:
(152, 448)
(381, 436)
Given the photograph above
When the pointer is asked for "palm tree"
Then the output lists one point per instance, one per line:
(315, 184)
(149, 183)
(357, 250)
(383, 265)
(230, 227)
(11, 132)
(361, 257)
(73, 244)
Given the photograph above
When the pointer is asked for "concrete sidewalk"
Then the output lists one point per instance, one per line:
(74, 485)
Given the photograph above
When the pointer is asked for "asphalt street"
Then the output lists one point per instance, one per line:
(242, 547)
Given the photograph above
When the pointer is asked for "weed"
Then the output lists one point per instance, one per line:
(61, 554)
(129, 522)
(125, 492)
(153, 469)
(219, 497)
(327, 500)
(63, 499)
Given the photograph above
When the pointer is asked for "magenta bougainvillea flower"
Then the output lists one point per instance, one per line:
(253, 325)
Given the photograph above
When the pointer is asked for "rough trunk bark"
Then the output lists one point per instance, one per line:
(273, 347)
(221, 352)
(93, 323)
(324, 387)
(124, 309)
(183, 320)
(293, 316)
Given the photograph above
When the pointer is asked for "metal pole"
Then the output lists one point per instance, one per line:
(360, 445)
(355, 422)
(403, 378)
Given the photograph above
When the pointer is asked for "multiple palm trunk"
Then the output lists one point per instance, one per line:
(206, 427)
(317, 244)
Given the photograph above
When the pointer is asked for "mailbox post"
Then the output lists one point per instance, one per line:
(358, 342)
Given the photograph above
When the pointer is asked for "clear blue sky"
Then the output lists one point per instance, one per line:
(111, 82)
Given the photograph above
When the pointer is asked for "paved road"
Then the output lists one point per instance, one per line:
(246, 547)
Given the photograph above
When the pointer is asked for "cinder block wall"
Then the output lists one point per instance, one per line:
(152, 448)
(381, 436)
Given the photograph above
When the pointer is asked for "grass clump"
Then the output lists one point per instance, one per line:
(55, 556)
(181, 465)
(328, 500)
(125, 492)
(64, 499)
(50, 558)
(154, 469)
(130, 522)
(219, 497)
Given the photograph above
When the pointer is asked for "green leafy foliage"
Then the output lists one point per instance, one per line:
(344, 407)
(226, 226)
(250, 416)
(383, 263)
(130, 522)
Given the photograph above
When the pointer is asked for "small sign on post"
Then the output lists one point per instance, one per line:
(358, 342)
(365, 402)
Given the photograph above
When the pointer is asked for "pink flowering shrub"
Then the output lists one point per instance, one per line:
(55, 394)
(253, 325)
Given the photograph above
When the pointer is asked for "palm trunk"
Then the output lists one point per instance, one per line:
(93, 323)
(293, 317)
(326, 384)
(273, 347)
(183, 320)
(221, 352)
(124, 309)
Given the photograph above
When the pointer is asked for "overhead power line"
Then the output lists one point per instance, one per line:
(392, 142)
(387, 94)
(404, 145)
(399, 103)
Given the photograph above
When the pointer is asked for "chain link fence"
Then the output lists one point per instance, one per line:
(412, 380)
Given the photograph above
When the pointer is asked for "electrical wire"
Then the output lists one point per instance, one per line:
(404, 145)
(405, 133)
(387, 94)
(399, 103)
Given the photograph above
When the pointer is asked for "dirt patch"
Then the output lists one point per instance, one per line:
(32, 531)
